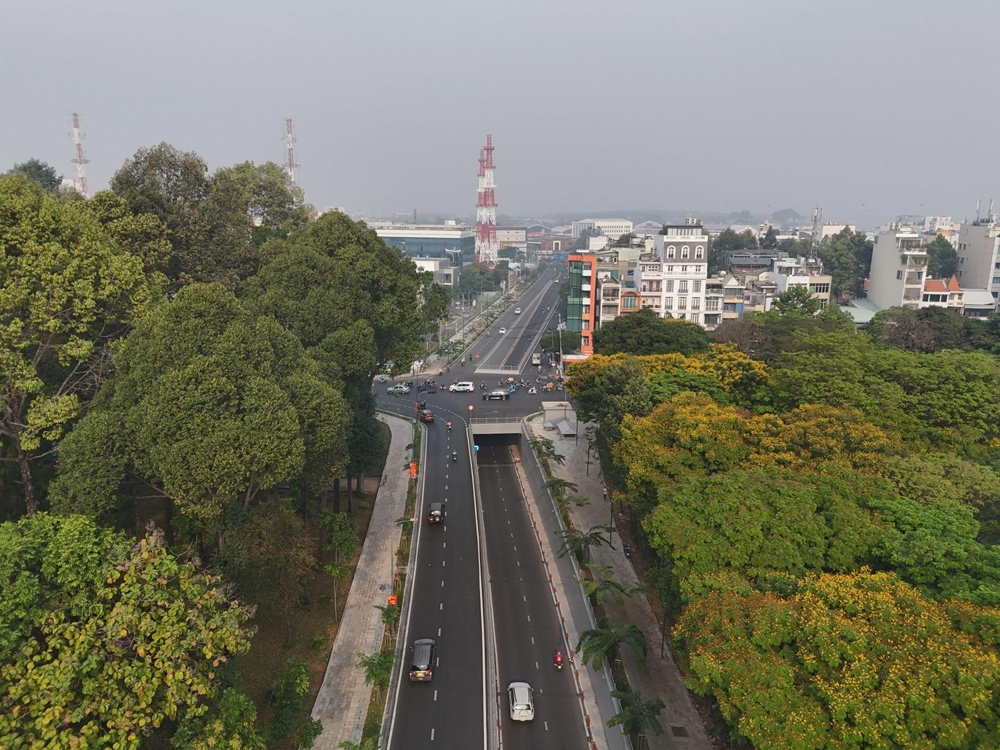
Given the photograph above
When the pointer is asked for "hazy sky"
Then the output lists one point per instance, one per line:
(869, 108)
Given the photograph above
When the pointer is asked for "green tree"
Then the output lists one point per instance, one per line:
(342, 541)
(637, 715)
(229, 724)
(847, 257)
(645, 332)
(215, 406)
(570, 342)
(270, 557)
(579, 542)
(797, 300)
(39, 172)
(66, 291)
(378, 669)
(770, 240)
(942, 258)
(604, 583)
(853, 661)
(288, 693)
(604, 640)
(118, 638)
(545, 448)
(626, 239)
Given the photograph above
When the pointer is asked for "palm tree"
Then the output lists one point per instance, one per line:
(390, 613)
(599, 588)
(378, 669)
(559, 486)
(545, 448)
(580, 542)
(637, 715)
(600, 642)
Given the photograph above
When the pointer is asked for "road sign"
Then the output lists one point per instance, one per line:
(470, 407)
(413, 470)
(393, 599)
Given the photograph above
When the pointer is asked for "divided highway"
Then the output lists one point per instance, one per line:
(446, 602)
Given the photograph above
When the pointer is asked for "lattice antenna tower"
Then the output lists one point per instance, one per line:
(817, 225)
(290, 165)
(80, 160)
(486, 209)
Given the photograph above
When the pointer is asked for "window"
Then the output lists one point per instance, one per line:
(899, 275)
(696, 303)
(586, 325)
(819, 288)
(699, 253)
(670, 269)
(585, 341)
(682, 287)
(682, 303)
(996, 279)
(694, 317)
(684, 269)
(685, 252)
(695, 286)
(668, 285)
(668, 303)
(712, 303)
(628, 303)
(671, 253)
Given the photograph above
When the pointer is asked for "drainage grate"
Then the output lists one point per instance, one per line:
(677, 731)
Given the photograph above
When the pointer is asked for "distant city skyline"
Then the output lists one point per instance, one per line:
(705, 107)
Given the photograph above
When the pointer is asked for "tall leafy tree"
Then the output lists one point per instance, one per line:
(39, 172)
(66, 291)
(797, 300)
(104, 640)
(847, 257)
(942, 258)
(722, 248)
(644, 332)
(854, 660)
(214, 406)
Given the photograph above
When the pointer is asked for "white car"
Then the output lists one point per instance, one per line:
(503, 331)
(522, 702)
(517, 310)
(466, 386)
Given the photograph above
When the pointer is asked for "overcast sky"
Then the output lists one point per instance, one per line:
(869, 108)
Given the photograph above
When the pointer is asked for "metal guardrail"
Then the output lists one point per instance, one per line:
(494, 420)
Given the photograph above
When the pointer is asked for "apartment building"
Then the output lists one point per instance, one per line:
(899, 267)
(978, 250)
(581, 301)
(671, 280)
(808, 272)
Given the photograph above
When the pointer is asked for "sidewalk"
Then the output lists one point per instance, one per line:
(682, 726)
(342, 702)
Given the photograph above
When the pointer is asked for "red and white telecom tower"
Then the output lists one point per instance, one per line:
(486, 209)
(290, 164)
(79, 159)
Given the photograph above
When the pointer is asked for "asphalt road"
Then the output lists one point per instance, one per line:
(525, 617)
(446, 601)
(446, 605)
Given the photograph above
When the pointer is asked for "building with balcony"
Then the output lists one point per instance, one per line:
(898, 270)
(808, 272)
(978, 250)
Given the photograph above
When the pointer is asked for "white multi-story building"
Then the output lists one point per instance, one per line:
(807, 272)
(671, 280)
(610, 228)
(899, 266)
(979, 255)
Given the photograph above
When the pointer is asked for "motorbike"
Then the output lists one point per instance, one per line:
(449, 426)
(557, 660)
(454, 455)
(482, 386)
(532, 391)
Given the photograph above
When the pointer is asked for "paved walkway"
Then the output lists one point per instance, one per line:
(342, 702)
(682, 726)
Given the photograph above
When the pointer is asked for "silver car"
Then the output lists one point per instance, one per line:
(522, 702)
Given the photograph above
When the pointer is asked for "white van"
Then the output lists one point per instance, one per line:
(466, 386)
(536, 359)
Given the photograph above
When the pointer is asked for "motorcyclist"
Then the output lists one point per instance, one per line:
(454, 455)
(557, 659)
(449, 426)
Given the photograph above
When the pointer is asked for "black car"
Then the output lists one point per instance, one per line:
(424, 651)
(497, 395)
(435, 513)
